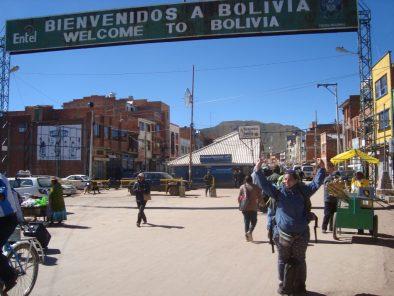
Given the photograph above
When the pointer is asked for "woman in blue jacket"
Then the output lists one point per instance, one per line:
(291, 231)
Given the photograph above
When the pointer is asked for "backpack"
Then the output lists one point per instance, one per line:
(243, 199)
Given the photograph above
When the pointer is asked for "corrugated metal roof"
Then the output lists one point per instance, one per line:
(229, 144)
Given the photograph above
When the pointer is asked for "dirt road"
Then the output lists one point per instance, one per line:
(195, 246)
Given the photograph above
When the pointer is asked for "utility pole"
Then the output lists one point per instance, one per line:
(315, 139)
(91, 105)
(384, 143)
(191, 129)
(145, 151)
(335, 93)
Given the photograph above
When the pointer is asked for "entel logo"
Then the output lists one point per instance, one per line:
(30, 36)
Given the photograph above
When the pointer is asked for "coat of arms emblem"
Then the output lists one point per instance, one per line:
(330, 7)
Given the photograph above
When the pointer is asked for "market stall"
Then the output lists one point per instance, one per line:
(35, 207)
(355, 206)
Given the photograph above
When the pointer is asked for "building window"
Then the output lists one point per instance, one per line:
(106, 132)
(142, 126)
(381, 87)
(22, 127)
(384, 121)
(157, 127)
(96, 130)
(148, 145)
(115, 134)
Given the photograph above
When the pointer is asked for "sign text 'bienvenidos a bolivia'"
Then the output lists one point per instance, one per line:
(182, 21)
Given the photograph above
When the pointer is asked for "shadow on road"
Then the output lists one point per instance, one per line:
(163, 226)
(311, 293)
(52, 252)
(68, 226)
(260, 242)
(159, 208)
(390, 207)
(330, 242)
(381, 241)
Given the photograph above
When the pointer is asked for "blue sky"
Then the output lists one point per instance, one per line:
(273, 79)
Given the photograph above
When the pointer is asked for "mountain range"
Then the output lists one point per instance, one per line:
(272, 134)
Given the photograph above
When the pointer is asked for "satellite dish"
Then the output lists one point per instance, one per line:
(188, 98)
(111, 95)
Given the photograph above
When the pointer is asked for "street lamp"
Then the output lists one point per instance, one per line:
(341, 49)
(335, 93)
(91, 105)
(14, 69)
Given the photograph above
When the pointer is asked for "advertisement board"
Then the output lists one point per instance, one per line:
(219, 158)
(249, 132)
(63, 142)
(181, 21)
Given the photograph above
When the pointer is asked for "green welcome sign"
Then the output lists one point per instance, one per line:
(182, 21)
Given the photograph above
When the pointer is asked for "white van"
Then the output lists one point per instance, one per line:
(308, 172)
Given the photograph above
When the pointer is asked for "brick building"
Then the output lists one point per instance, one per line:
(184, 140)
(174, 141)
(129, 135)
(310, 139)
(328, 146)
(351, 126)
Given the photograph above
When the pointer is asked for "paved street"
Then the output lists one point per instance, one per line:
(195, 246)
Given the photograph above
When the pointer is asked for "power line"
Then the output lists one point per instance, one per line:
(238, 67)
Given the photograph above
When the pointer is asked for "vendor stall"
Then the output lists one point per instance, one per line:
(355, 207)
(35, 207)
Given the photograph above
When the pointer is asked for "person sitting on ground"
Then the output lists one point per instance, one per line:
(291, 231)
(254, 197)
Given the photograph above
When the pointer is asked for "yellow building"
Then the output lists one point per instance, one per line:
(383, 79)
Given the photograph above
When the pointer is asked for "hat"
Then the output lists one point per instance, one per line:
(141, 175)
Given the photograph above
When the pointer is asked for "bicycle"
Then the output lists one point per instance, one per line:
(24, 256)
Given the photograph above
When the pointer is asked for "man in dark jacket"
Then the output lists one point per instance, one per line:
(291, 231)
(330, 202)
(140, 188)
(208, 179)
(274, 177)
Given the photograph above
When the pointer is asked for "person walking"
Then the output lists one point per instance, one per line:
(291, 230)
(141, 189)
(56, 206)
(208, 179)
(10, 215)
(254, 197)
(330, 202)
(236, 178)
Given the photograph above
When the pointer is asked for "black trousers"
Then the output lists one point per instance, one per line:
(207, 189)
(141, 215)
(7, 227)
(329, 209)
(250, 220)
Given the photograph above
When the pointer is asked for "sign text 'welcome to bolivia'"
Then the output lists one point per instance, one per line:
(182, 21)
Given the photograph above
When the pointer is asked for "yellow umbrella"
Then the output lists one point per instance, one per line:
(354, 153)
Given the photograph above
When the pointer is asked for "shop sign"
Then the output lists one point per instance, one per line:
(220, 158)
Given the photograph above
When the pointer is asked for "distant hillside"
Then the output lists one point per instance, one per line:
(273, 134)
